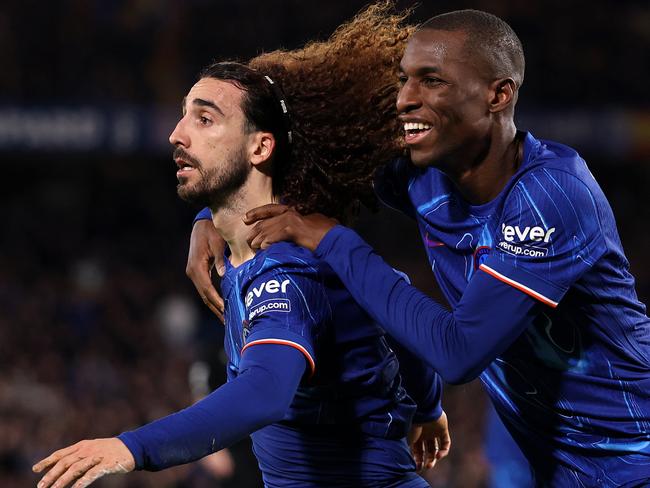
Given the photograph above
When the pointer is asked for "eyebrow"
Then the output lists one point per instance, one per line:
(203, 103)
(423, 70)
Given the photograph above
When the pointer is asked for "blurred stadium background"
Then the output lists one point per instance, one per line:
(100, 330)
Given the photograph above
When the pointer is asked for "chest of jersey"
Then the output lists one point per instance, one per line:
(456, 240)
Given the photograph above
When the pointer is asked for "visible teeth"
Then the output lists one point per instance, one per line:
(416, 126)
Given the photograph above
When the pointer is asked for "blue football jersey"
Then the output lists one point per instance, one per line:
(347, 422)
(574, 388)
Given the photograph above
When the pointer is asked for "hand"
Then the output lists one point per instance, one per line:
(206, 252)
(430, 442)
(85, 462)
(274, 223)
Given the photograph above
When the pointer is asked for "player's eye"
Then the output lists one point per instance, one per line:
(203, 120)
(402, 80)
(431, 81)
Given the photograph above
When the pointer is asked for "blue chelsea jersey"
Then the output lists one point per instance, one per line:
(351, 388)
(574, 388)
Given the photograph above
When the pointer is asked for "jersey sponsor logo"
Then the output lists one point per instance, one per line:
(271, 305)
(536, 234)
(270, 287)
(522, 250)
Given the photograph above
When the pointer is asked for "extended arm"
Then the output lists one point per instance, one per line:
(269, 377)
(550, 235)
(259, 396)
(429, 436)
(421, 382)
(458, 344)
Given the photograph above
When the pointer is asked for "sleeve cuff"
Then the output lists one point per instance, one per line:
(131, 442)
(329, 241)
(425, 416)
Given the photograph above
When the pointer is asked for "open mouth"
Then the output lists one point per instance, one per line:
(415, 131)
(183, 166)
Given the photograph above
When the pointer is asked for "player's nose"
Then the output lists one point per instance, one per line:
(179, 135)
(408, 97)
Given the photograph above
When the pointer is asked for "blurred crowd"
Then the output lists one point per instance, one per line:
(147, 51)
(100, 330)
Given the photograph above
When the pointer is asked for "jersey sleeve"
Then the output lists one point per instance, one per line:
(391, 186)
(548, 237)
(204, 214)
(286, 305)
(458, 344)
(259, 396)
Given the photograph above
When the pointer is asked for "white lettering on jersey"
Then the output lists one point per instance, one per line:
(271, 287)
(271, 305)
(531, 233)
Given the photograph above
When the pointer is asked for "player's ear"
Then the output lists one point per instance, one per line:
(503, 93)
(261, 147)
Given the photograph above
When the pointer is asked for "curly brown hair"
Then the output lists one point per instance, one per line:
(341, 95)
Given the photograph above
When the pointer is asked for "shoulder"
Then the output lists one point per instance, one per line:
(283, 268)
(556, 164)
(555, 175)
(401, 185)
(283, 257)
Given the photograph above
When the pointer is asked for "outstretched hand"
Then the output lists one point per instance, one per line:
(274, 223)
(430, 442)
(85, 462)
(206, 254)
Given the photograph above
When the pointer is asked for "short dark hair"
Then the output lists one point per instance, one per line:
(489, 36)
(260, 105)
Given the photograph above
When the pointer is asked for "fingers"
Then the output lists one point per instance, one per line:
(219, 264)
(444, 445)
(265, 237)
(53, 458)
(206, 250)
(217, 248)
(202, 281)
(67, 470)
(264, 212)
(417, 449)
(91, 475)
(431, 451)
(212, 299)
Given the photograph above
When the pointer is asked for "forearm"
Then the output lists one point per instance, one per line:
(457, 345)
(421, 382)
(258, 397)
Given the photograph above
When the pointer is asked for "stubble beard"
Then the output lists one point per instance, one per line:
(217, 188)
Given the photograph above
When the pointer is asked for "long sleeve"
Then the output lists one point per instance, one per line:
(458, 344)
(259, 396)
(422, 383)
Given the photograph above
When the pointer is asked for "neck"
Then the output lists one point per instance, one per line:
(228, 219)
(481, 178)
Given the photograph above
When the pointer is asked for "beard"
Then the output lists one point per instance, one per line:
(216, 187)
